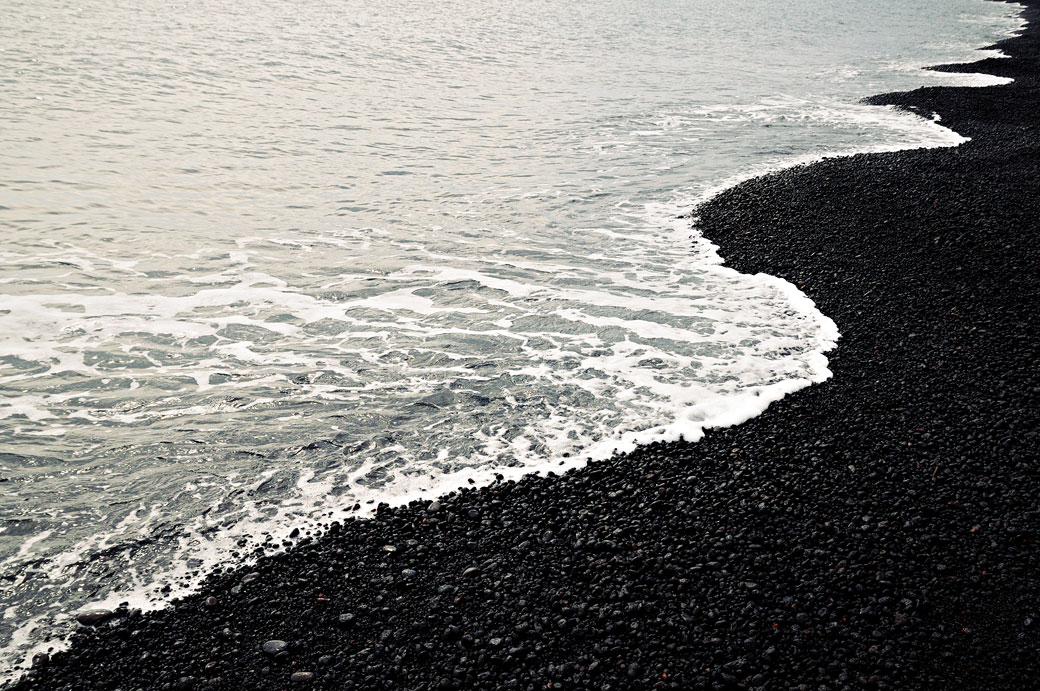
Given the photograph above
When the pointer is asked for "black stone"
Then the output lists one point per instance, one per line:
(94, 617)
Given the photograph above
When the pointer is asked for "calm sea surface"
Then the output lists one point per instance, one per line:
(265, 262)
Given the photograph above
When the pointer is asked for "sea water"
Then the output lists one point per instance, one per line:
(263, 264)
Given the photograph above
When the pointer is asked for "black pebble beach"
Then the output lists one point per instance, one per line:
(878, 530)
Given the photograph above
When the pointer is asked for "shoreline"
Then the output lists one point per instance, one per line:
(683, 565)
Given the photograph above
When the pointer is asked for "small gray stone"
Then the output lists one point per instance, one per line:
(471, 572)
(346, 619)
(249, 578)
(275, 648)
(409, 573)
(302, 676)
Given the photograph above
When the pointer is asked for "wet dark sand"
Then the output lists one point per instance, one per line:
(875, 531)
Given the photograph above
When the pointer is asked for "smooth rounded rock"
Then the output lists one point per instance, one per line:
(94, 617)
(275, 648)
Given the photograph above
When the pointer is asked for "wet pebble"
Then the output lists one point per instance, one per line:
(275, 648)
(94, 617)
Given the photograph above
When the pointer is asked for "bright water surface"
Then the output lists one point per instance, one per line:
(266, 261)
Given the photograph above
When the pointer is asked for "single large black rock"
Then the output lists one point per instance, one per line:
(94, 617)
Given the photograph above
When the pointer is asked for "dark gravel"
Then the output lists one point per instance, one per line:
(875, 531)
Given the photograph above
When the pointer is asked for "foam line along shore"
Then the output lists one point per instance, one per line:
(873, 531)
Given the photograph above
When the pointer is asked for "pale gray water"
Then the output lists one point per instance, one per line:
(263, 261)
